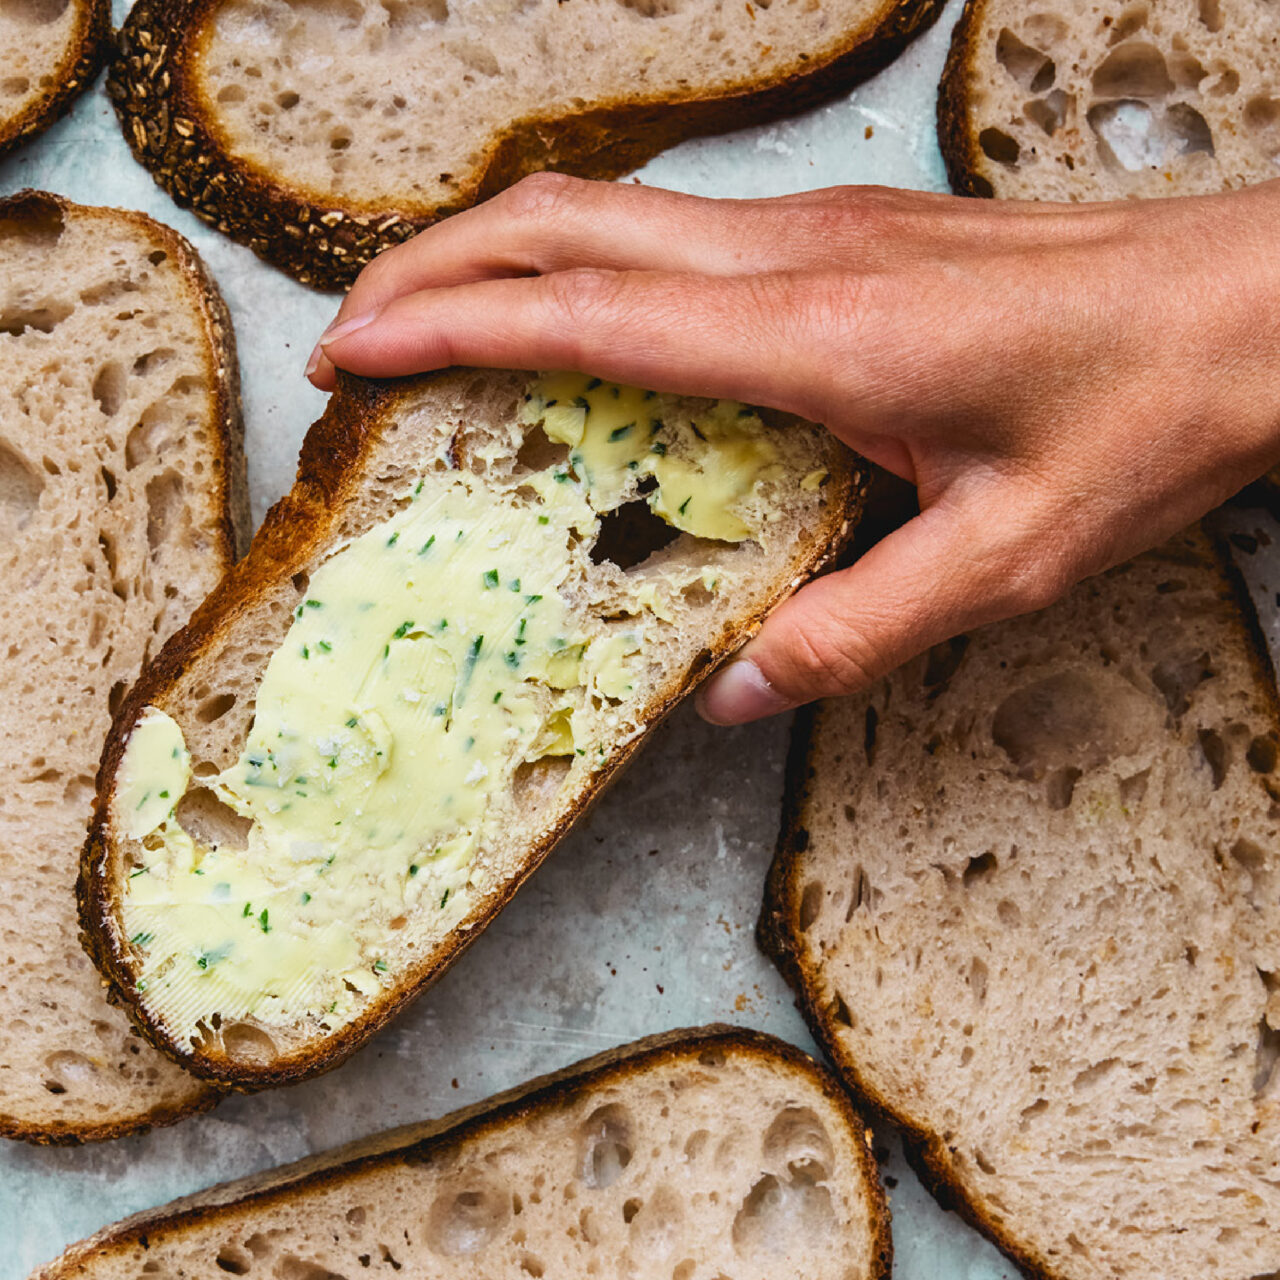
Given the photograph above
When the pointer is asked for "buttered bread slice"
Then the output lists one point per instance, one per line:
(481, 593)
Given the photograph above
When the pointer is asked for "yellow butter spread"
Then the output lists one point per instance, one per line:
(705, 468)
(430, 658)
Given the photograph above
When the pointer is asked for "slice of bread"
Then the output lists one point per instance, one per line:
(320, 132)
(122, 496)
(1125, 98)
(1028, 889)
(695, 1154)
(366, 798)
(50, 51)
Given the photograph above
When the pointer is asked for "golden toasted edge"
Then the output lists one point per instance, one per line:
(326, 244)
(85, 53)
(231, 496)
(295, 529)
(777, 933)
(956, 136)
(415, 1143)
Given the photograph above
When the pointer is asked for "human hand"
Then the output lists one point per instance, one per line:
(1065, 384)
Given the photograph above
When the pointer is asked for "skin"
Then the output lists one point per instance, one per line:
(1066, 385)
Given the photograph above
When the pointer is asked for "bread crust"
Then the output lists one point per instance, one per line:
(418, 1143)
(228, 482)
(777, 933)
(955, 137)
(325, 244)
(330, 470)
(85, 53)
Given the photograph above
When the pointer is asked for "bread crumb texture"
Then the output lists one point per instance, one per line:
(1103, 100)
(1032, 893)
(709, 1160)
(50, 51)
(376, 742)
(113, 525)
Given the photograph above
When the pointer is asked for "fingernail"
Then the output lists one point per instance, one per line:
(739, 692)
(336, 331)
(313, 360)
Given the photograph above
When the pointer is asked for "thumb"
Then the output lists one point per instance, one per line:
(943, 572)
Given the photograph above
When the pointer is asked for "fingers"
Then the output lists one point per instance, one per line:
(745, 338)
(936, 576)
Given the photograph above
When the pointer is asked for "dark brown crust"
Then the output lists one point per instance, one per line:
(85, 53)
(955, 132)
(330, 471)
(417, 1143)
(777, 933)
(325, 245)
(228, 483)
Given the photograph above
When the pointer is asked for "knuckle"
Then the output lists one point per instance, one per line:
(580, 296)
(542, 196)
(821, 662)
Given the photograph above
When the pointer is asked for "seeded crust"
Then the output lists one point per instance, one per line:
(1205, 816)
(374, 437)
(58, 53)
(324, 242)
(110, 540)
(769, 1105)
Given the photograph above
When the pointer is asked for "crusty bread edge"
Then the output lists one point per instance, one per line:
(330, 467)
(777, 933)
(86, 51)
(959, 146)
(325, 244)
(233, 535)
(417, 1143)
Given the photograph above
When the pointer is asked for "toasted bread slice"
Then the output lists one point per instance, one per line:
(50, 51)
(238, 110)
(443, 643)
(122, 496)
(1029, 892)
(1171, 97)
(694, 1154)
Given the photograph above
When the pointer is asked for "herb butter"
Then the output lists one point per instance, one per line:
(430, 658)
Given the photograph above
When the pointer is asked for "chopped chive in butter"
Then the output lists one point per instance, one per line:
(491, 578)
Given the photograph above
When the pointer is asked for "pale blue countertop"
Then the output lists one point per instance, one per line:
(643, 920)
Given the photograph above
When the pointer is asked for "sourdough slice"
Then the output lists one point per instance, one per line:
(363, 803)
(320, 132)
(694, 1154)
(1029, 892)
(1137, 98)
(50, 51)
(121, 498)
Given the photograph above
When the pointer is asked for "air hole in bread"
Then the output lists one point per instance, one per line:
(776, 1212)
(1049, 112)
(656, 1227)
(215, 708)
(664, 8)
(69, 1070)
(232, 93)
(999, 146)
(979, 869)
(1030, 67)
(44, 317)
(1187, 70)
(291, 1267)
(540, 780)
(976, 979)
(1133, 70)
(811, 904)
(109, 387)
(605, 1146)
(630, 534)
(1267, 1055)
(1210, 13)
(243, 1042)
(943, 661)
(15, 86)
(233, 1260)
(1262, 121)
(1263, 754)
(151, 433)
(1129, 23)
(36, 220)
(150, 361)
(116, 696)
(629, 1210)
(476, 56)
(1214, 752)
(405, 15)
(166, 504)
(468, 1221)
(798, 1140)
(1060, 786)
(209, 821)
(35, 13)
(532, 1265)
(1178, 678)
(1094, 1075)
(20, 488)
